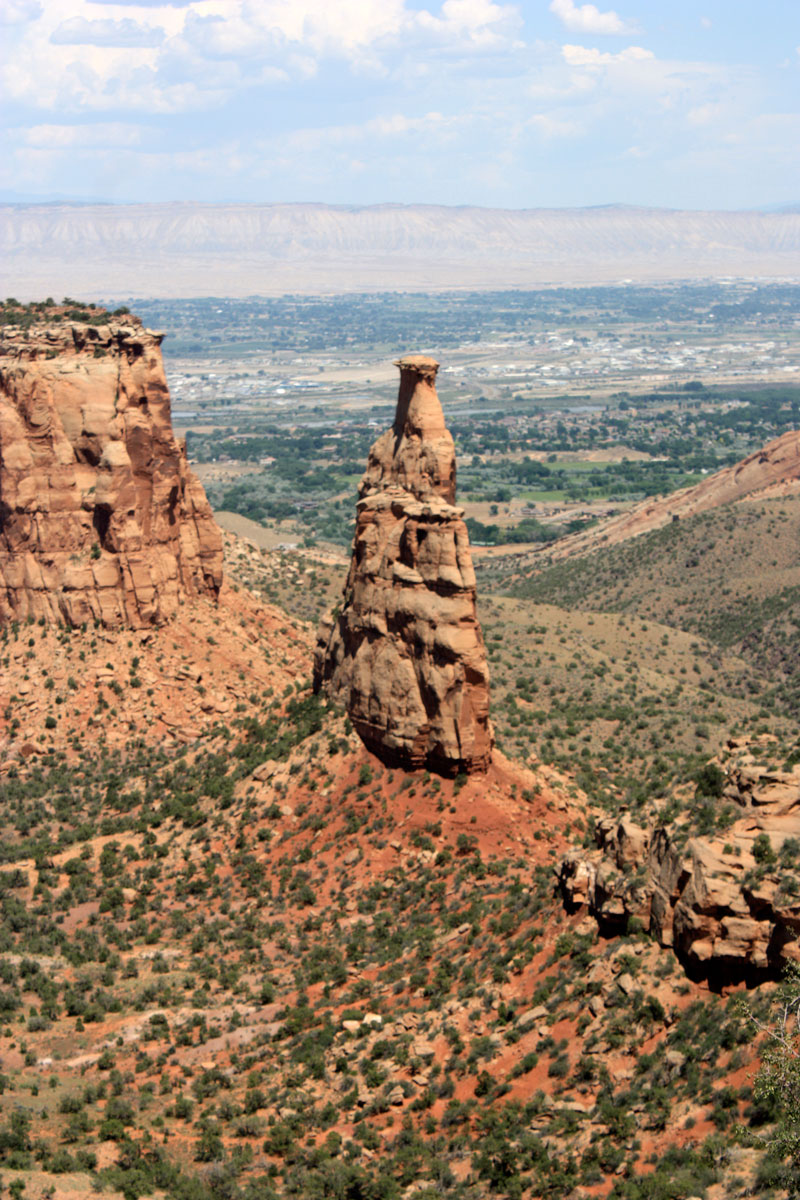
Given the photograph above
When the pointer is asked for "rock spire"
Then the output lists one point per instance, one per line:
(405, 654)
(100, 516)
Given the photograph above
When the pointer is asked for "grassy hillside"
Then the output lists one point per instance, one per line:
(721, 573)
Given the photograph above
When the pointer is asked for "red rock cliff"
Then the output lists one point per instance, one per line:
(405, 655)
(100, 516)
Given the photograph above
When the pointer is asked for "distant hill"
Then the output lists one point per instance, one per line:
(773, 471)
(188, 249)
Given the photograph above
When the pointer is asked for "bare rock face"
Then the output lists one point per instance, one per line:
(100, 516)
(728, 903)
(405, 655)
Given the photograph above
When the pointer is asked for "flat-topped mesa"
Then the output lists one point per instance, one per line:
(100, 516)
(417, 453)
(405, 655)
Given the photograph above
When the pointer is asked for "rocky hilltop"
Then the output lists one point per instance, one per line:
(405, 655)
(100, 516)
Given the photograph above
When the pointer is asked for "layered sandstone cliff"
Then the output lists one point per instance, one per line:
(100, 516)
(405, 655)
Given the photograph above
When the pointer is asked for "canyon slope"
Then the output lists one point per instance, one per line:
(100, 517)
(247, 953)
(768, 473)
(242, 955)
(271, 249)
(405, 655)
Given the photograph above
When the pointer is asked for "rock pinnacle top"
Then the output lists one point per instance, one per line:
(417, 453)
(420, 364)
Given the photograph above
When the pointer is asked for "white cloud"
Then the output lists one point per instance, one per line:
(587, 18)
(770, 132)
(175, 57)
(18, 12)
(106, 134)
(587, 56)
(431, 126)
(145, 3)
(398, 124)
(480, 22)
(706, 114)
(642, 89)
(78, 31)
(317, 28)
(549, 127)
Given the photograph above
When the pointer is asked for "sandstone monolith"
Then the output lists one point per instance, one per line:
(405, 655)
(100, 516)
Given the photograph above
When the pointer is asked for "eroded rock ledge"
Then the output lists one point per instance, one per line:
(100, 516)
(405, 655)
(729, 904)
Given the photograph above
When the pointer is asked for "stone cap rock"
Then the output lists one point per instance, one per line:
(394, 495)
(76, 337)
(421, 364)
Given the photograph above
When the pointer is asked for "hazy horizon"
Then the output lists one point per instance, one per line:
(11, 200)
(195, 249)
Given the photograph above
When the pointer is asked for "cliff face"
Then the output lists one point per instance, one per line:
(405, 655)
(100, 516)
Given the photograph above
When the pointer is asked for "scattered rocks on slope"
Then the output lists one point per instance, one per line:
(405, 655)
(728, 902)
(100, 516)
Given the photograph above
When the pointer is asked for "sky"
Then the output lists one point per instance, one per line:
(545, 103)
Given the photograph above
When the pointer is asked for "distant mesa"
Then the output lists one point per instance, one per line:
(307, 248)
(405, 655)
(100, 517)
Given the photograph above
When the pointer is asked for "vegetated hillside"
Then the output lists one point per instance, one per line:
(770, 471)
(629, 707)
(731, 575)
(272, 249)
(250, 961)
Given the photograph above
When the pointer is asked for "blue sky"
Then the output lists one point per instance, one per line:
(681, 104)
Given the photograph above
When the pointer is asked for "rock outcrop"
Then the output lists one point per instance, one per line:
(100, 516)
(405, 655)
(728, 903)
